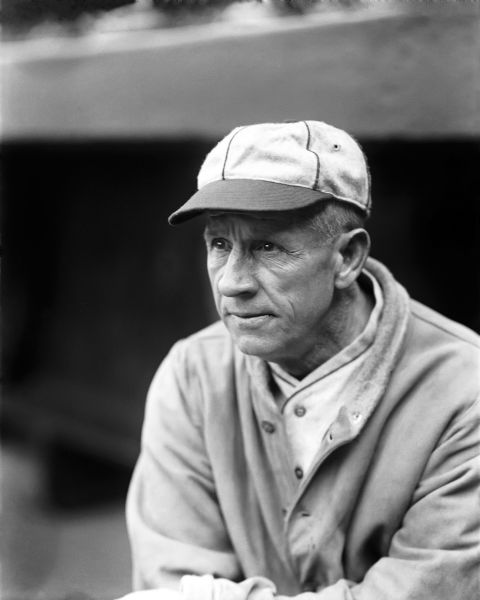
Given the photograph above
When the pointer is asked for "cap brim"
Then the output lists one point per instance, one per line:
(246, 195)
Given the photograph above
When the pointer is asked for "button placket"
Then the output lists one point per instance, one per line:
(300, 411)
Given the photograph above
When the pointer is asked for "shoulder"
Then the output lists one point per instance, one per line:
(203, 358)
(198, 368)
(443, 355)
(214, 333)
(441, 328)
(207, 345)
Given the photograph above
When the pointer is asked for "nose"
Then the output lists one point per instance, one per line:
(237, 276)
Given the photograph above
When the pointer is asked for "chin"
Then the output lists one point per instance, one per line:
(255, 346)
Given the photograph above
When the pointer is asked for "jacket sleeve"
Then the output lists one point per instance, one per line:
(173, 518)
(435, 555)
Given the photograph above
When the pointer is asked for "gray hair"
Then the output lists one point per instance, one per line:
(330, 218)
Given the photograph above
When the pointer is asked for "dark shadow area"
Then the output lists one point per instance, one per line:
(79, 480)
(425, 224)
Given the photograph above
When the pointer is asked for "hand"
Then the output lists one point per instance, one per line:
(160, 594)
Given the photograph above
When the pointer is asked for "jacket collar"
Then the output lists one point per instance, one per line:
(384, 355)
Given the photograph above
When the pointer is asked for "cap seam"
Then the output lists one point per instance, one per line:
(228, 150)
(309, 137)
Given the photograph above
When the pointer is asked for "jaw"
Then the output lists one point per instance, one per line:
(270, 348)
(298, 356)
(256, 336)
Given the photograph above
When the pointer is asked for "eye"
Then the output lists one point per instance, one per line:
(218, 244)
(267, 246)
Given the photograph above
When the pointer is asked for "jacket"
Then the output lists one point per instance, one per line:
(390, 510)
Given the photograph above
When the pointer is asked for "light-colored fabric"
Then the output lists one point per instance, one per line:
(310, 406)
(155, 594)
(389, 510)
(287, 155)
(206, 587)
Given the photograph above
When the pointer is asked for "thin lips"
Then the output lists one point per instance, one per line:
(249, 315)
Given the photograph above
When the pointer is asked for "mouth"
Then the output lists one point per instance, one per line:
(248, 319)
(249, 315)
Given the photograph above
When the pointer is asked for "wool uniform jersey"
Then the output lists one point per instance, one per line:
(387, 509)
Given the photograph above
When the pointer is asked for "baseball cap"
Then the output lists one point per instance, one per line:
(280, 167)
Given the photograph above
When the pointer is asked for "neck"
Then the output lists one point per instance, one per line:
(350, 313)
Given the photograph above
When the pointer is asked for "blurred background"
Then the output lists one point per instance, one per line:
(108, 108)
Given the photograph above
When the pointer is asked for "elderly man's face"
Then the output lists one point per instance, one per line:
(273, 284)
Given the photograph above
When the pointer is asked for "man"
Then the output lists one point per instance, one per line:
(320, 441)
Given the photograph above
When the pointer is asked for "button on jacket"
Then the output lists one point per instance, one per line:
(389, 511)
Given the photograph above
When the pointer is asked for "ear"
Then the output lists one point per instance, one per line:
(353, 248)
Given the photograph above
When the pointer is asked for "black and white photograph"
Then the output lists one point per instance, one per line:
(240, 300)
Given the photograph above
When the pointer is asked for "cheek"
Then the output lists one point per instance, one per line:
(213, 277)
(307, 297)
